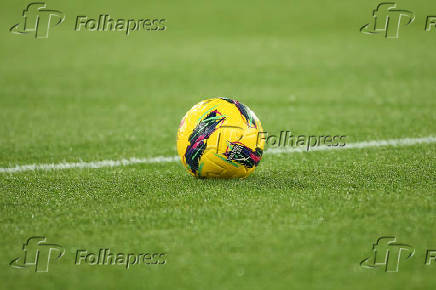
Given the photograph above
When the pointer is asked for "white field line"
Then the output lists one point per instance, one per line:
(365, 144)
(166, 159)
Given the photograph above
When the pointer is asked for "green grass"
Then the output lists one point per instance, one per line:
(302, 221)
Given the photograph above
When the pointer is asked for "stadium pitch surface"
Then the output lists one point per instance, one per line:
(301, 221)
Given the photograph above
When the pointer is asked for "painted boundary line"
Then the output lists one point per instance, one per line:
(167, 159)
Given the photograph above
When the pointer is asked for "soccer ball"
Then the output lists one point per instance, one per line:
(219, 138)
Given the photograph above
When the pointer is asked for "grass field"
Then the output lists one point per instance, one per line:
(301, 221)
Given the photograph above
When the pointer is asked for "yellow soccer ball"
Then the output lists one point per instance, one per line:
(219, 138)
